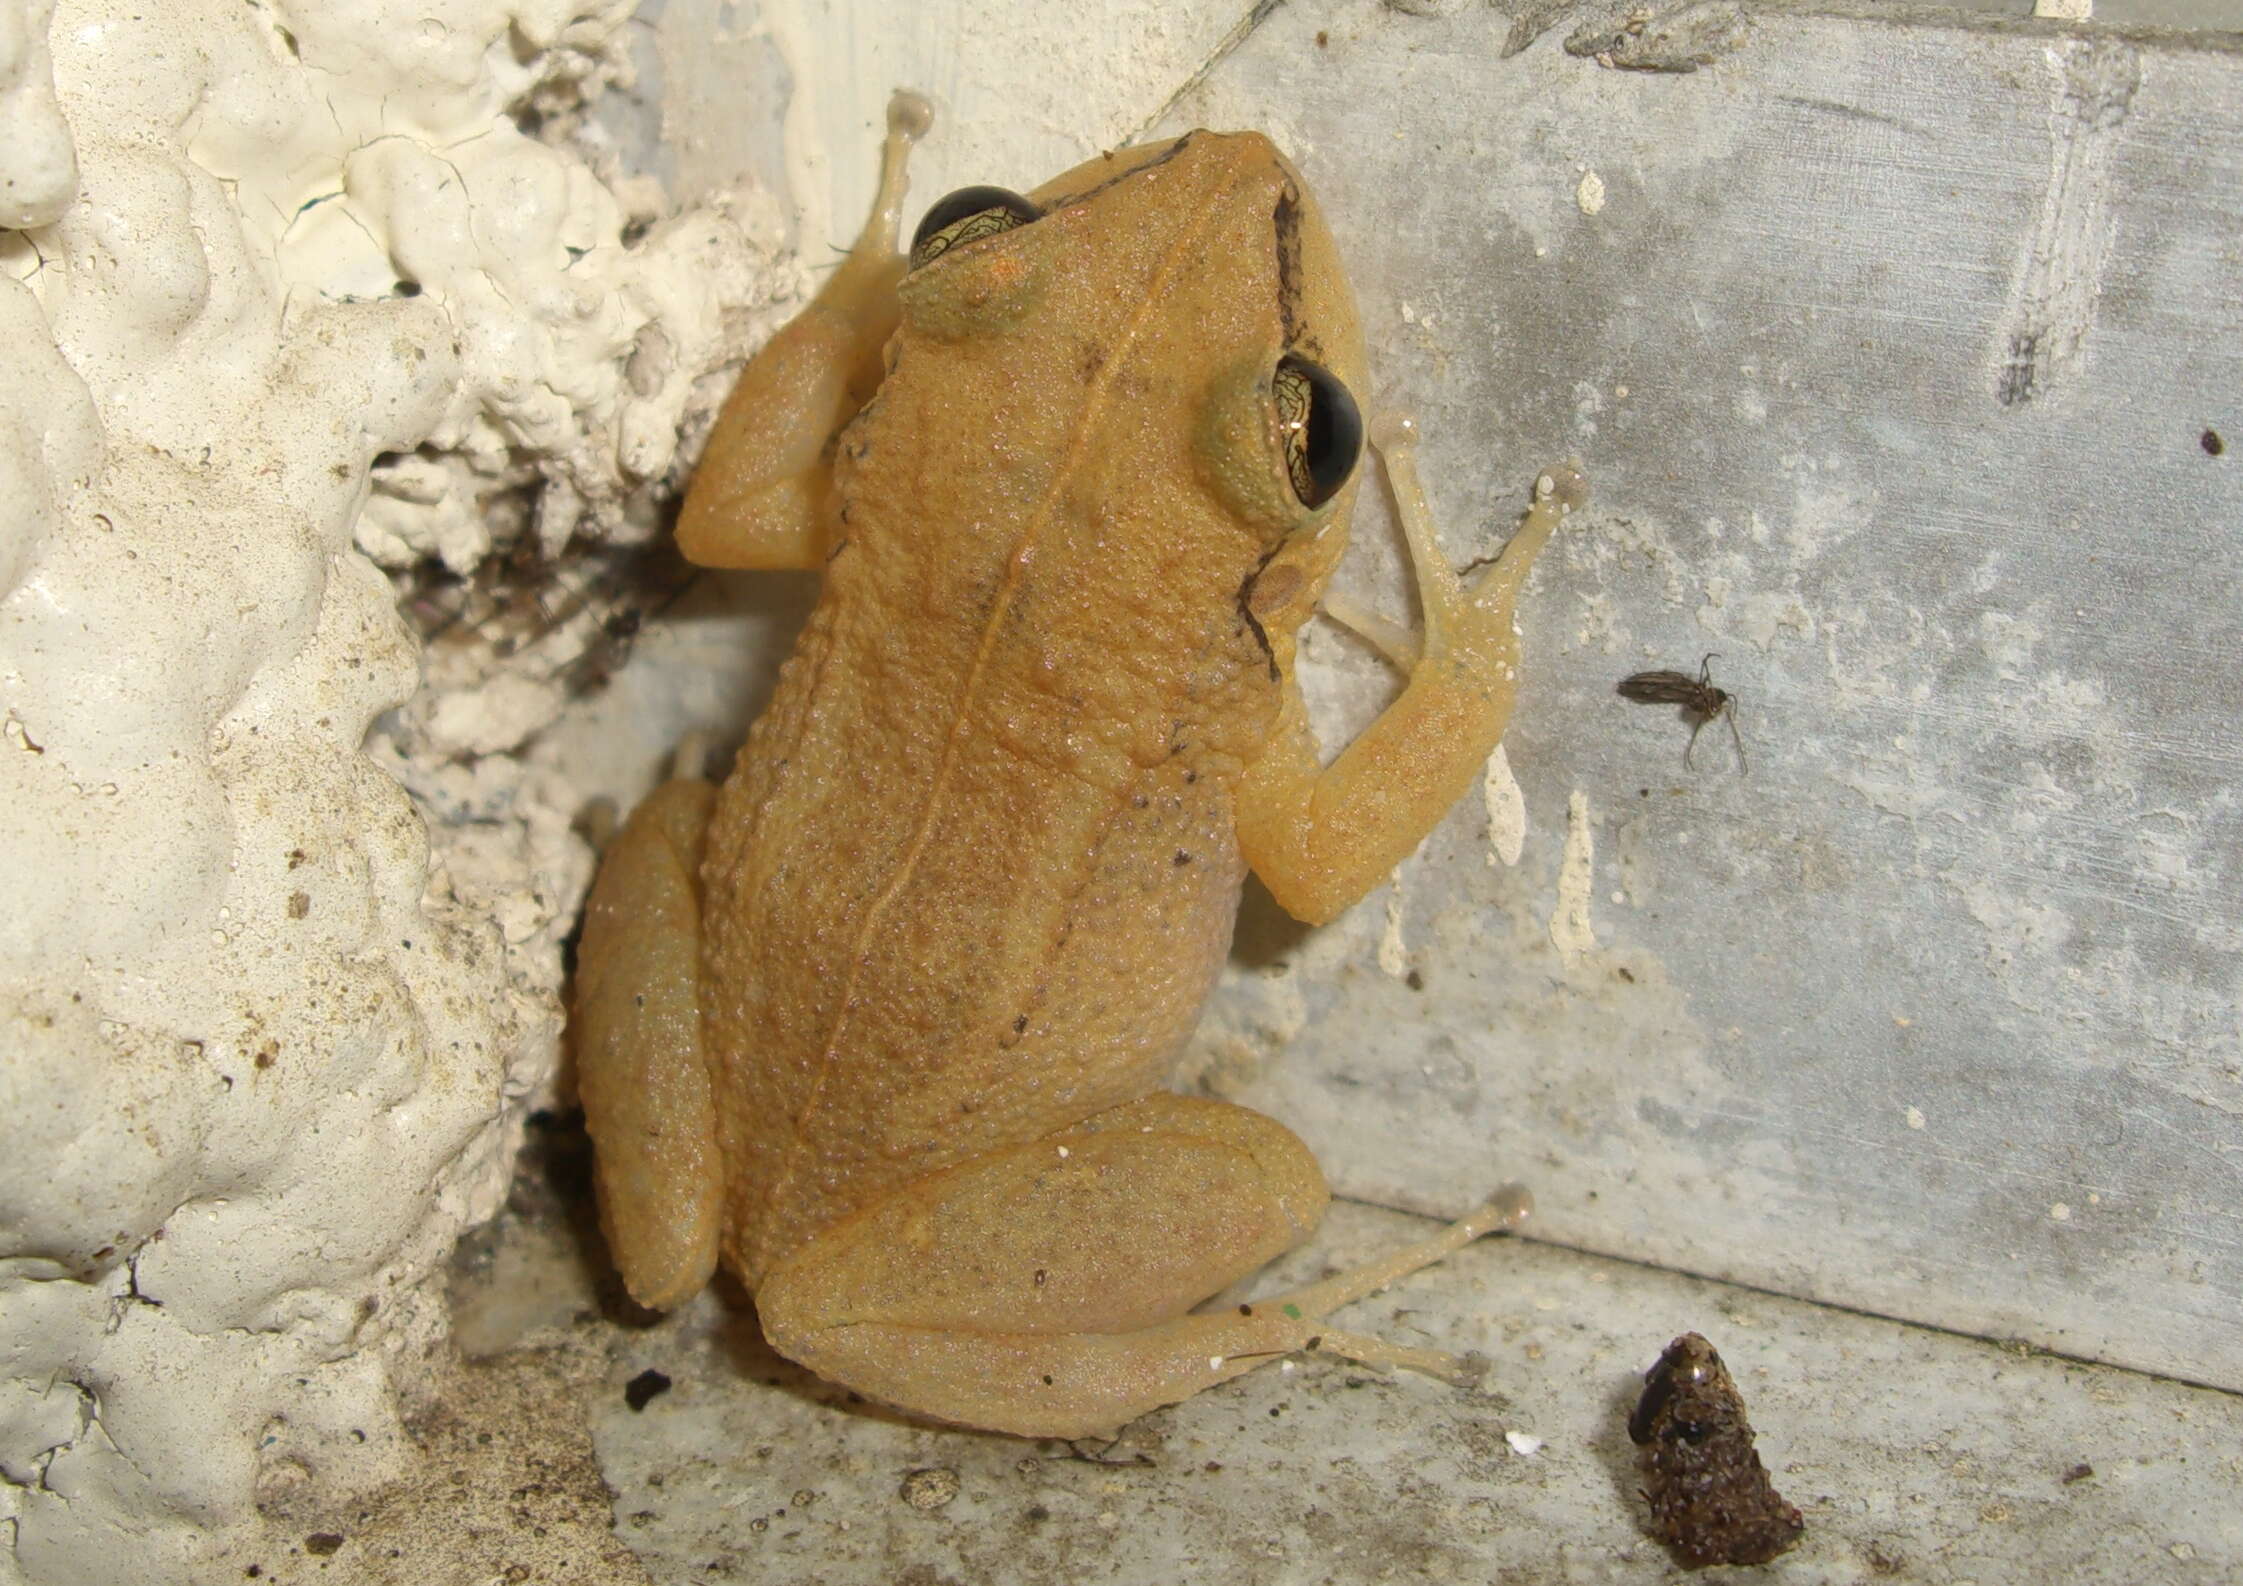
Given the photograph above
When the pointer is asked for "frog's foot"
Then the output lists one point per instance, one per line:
(1321, 836)
(1045, 1290)
(1455, 614)
(1451, 606)
(1505, 1212)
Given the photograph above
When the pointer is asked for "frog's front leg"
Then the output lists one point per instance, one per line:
(762, 495)
(1046, 1290)
(1321, 837)
(636, 1026)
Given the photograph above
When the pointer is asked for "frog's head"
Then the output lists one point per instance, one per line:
(1186, 290)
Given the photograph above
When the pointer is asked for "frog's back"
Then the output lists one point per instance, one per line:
(976, 870)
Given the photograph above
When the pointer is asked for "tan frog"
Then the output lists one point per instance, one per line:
(884, 1022)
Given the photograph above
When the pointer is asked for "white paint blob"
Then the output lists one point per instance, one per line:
(286, 280)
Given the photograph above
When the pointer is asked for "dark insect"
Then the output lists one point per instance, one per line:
(1700, 700)
(1710, 1500)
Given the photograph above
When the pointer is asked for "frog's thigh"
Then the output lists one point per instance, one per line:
(637, 1032)
(1044, 1290)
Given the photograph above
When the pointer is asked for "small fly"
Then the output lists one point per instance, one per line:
(1700, 700)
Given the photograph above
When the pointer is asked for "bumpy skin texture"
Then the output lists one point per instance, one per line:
(947, 868)
(888, 1034)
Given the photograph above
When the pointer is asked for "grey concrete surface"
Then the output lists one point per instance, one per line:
(1898, 353)
(1914, 1456)
(1904, 360)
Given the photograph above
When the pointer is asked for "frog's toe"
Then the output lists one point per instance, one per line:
(1558, 492)
(598, 822)
(1565, 485)
(690, 761)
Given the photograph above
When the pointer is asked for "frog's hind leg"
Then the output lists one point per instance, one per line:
(1045, 1290)
(636, 1028)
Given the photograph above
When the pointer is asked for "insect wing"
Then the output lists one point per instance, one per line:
(1661, 688)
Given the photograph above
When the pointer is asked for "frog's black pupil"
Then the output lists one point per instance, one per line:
(1322, 443)
(966, 216)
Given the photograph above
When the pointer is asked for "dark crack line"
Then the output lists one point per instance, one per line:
(1256, 15)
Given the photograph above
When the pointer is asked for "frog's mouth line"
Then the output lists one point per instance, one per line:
(1246, 610)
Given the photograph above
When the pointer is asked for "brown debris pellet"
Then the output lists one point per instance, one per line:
(1710, 1500)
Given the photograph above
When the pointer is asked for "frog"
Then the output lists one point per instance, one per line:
(884, 1022)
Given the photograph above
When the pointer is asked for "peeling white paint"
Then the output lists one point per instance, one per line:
(1570, 926)
(38, 164)
(264, 1059)
(1394, 955)
(1505, 803)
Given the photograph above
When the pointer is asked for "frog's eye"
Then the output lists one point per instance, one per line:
(1320, 426)
(968, 215)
